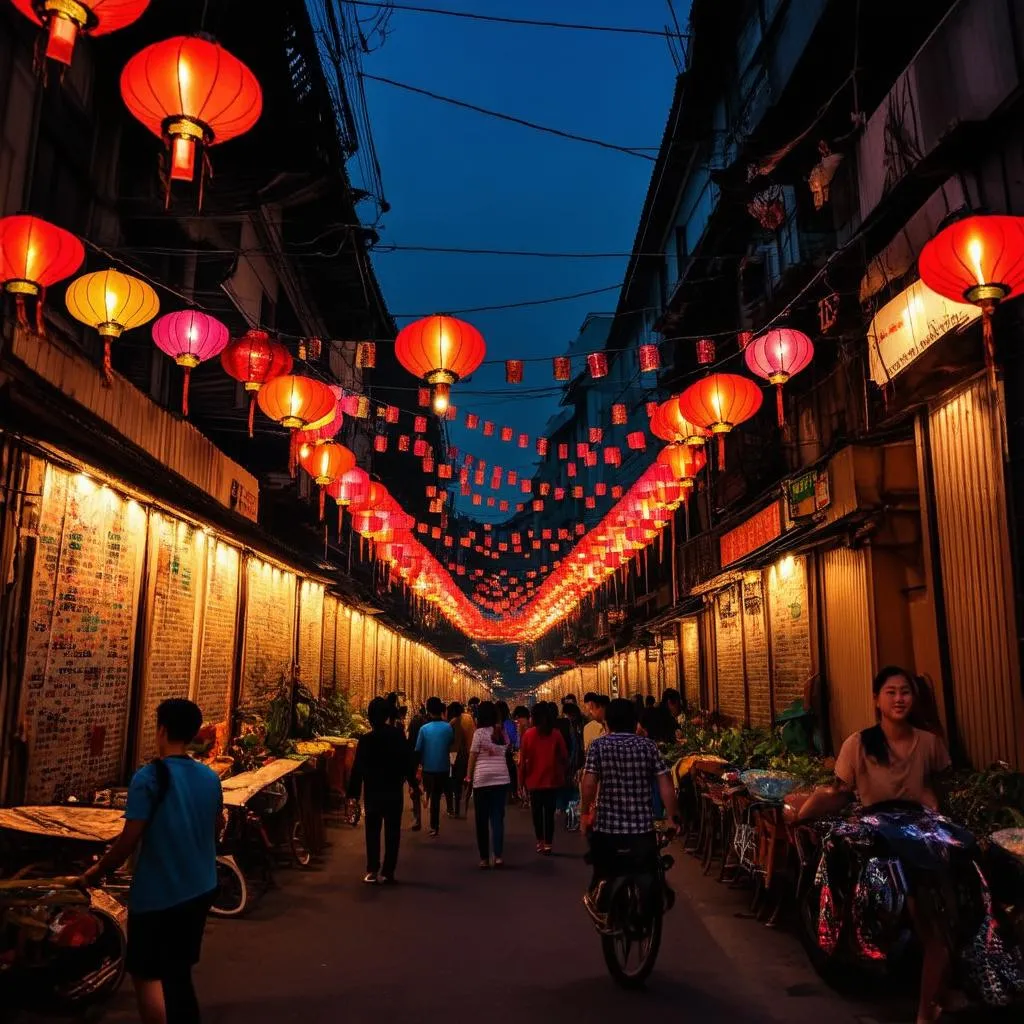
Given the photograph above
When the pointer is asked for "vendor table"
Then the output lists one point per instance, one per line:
(65, 821)
(241, 788)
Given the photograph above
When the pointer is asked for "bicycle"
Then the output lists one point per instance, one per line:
(628, 909)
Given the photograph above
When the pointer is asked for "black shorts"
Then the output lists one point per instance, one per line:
(164, 943)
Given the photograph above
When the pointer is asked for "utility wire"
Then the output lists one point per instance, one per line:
(525, 302)
(636, 151)
(502, 20)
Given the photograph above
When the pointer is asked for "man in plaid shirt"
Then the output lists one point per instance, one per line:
(620, 774)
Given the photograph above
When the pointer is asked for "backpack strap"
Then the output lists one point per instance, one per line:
(163, 785)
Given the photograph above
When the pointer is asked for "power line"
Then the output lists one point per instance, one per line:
(531, 22)
(525, 302)
(636, 151)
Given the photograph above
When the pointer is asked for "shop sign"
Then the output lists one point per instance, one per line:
(808, 493)
(757, 531)
(243, 501)
(910, 324)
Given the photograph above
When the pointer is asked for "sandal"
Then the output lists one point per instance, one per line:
(498, 862)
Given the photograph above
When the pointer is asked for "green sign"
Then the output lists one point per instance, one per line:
(801, 488)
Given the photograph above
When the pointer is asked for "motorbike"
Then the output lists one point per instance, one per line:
(59, 945)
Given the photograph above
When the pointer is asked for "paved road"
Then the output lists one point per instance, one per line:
(453, 944)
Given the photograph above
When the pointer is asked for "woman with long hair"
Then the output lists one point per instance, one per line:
(900, 851)
(488, 775)
(543, 759)
(511, 744)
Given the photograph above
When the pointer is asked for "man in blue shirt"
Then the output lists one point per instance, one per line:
(173, 815)
(433, 745)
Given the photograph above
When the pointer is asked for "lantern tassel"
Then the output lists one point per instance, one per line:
(293, 453)
(341, 513)
(988, 337)
(108, 370)
(19, 305)
(323, 494)
(721, 453)
(40, 319)
(780, 405)
(252, 410)
(184, 391)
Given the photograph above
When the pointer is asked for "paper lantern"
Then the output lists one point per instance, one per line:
(65, 19)
(670, 424)
(403, 442)
(296, 403)
(619, 414)
(597, 364)
(637, 440)
(191, 92)
(326, 463)
(506, 433)
(353, 487)
(542, 446)
(561, 367)
(366, 355)
(513, 371)
(649, 358)
(684, 461)
(419, 447)
(253, 360)
(776, 355)
(705, 352)
(112, 303)
(423, 398)
(391, 414)
(380, 443)
(189, 337)
(524, 440)
(980, 260)
(440, 350)
(488, 428)
(720, 402)
(472, 421)
(35, 254)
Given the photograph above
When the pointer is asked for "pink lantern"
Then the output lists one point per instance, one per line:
(190, 337)
(776, 356)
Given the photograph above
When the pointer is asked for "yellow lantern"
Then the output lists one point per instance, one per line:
(111, 302)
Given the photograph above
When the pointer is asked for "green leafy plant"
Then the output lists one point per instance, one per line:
(986, 801)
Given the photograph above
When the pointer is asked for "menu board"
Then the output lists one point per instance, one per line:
(269, 631)
(176, 557)
(327, 677)
(217, 652)
(311, 634)
(78, 657)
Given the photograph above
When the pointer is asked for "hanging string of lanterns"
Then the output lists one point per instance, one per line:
(720, 402)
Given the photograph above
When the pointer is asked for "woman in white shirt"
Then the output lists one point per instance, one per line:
(488, 775)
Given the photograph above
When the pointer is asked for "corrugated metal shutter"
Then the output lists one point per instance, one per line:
(974, 547)
(849, 642)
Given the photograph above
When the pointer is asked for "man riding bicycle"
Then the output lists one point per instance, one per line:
(620, 774)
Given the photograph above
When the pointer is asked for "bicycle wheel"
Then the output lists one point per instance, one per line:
(572, 816)
(297, 841)
(232, 896)
(634, 937)
(94, 972)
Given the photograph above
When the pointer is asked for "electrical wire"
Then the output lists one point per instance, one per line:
(637, 151)
(526, 22)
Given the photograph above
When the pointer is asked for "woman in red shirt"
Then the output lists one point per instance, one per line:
(543, 759)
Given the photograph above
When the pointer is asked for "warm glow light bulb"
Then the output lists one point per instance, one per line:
(442, 393)
(974, 252)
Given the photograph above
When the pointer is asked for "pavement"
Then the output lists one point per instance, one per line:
(452, 943)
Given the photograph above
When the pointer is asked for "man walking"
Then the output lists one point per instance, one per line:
(172, 816)
(434, 744)
(463, 726)
(380, 771)
(597, 706)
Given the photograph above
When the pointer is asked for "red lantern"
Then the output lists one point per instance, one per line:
(637, 440)
(718, 403)
(561, 367)
(253, 360)
(649, 357)
(189, 337)
(380, 443)
(472, 421)
(597, 363)
(619, 414)
(744, 338)
(524, 440)
(297, 403)
(542, 446)
(326, 463)
(684, 461)
(776, 356)
(705, 352)
(506, 433)
(513, 371)
(563, 451)
(670, 424)
(191, 92)
(423, 398)
(980, 260)
(64, 19)
(440, 350)
(403, 442)
(35, 254)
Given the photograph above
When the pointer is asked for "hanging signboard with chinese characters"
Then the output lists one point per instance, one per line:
(758, 530)
(908, 325)
(808, 493)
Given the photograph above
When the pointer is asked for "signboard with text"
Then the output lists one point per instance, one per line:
(808, 493)
(910, 324)
(757, 531)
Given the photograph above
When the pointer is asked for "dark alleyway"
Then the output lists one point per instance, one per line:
(453, 942)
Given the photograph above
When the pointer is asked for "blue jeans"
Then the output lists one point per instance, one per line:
(489, 803)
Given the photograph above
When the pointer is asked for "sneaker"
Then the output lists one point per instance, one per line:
(370, 878)
(434, 833)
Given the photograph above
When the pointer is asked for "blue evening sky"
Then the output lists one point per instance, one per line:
(457, 178)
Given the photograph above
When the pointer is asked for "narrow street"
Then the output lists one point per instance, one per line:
(452, 942)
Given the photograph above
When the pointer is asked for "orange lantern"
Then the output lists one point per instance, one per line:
(978, 259)
(718, 403)
(297, 403)
(670, 424)
(325, 463)
(64, 19)
(191, 92)
(440, 350)
(253, 360)
(684, 461)
(35, 254)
